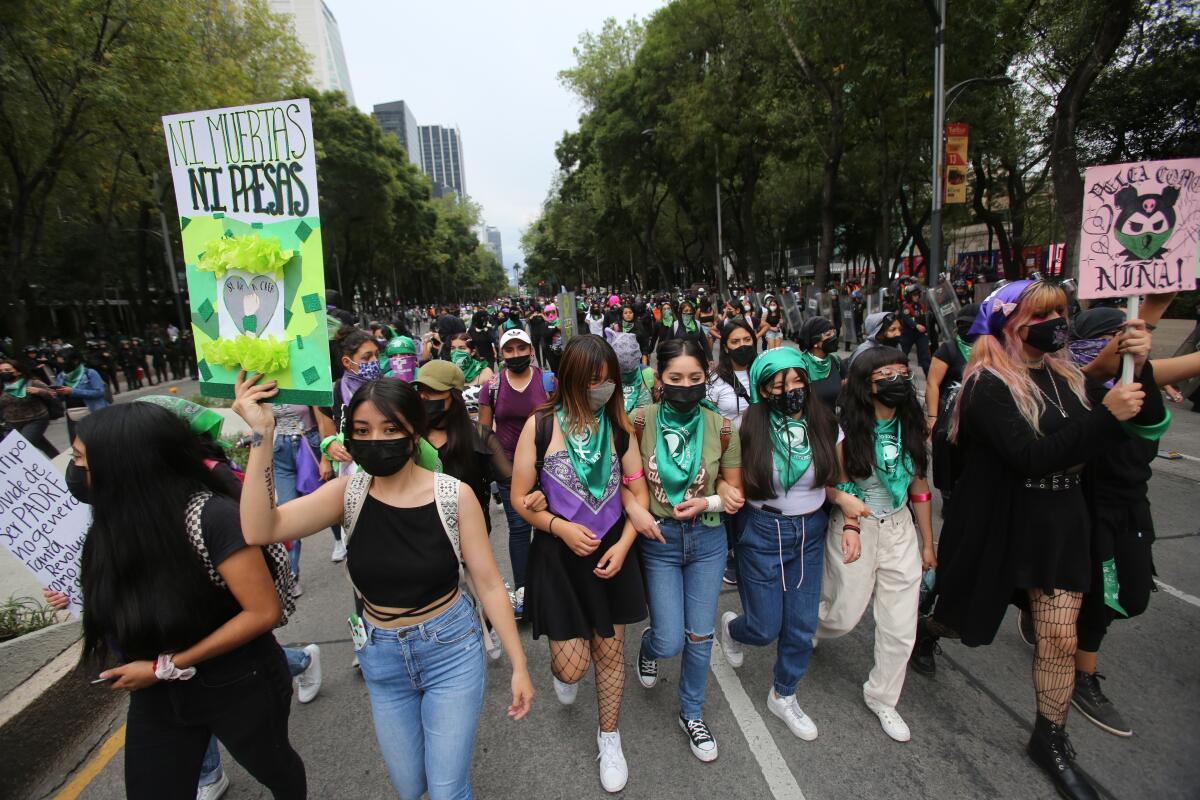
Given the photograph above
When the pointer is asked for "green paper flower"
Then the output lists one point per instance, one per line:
(268, 355)
(252, 254)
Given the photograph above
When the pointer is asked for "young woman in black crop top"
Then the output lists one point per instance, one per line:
(423, 655)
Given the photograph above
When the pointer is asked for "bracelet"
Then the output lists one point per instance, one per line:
(715, 503)
(165, 669)
(849, 527)
(628, 479)
(924, 497)
(550, 527)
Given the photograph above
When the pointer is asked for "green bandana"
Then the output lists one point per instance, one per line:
(963, 347)
(689, 323)
(626, 327)
(668, 318)
(203, 421)
(677, 449)
(16, 388)
(817, 368)
(771, 362)
(892, 464)
(631, 386)
(1112, 588)
(471, 367)
(74, 377)
(791, 450)
(589, 451)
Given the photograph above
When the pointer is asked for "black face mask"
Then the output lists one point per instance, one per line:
(683, 399)
(380, 457)
(435, 412)
(77, 483)
(893, 393)
(517, 364)
(743, 355)
(890, 341)
(788, 403)
(1049, 335)
(963, 329)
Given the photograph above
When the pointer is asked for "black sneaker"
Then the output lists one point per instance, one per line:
(924, 651)
(1093, 704)
(1025, 627)
(730, 576)
(704, 746)
(647, 669)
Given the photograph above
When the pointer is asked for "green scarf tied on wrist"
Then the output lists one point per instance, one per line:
(817, 368)
(470, 366)
(790, 448)
(679, 441)
(589, 450)
(964, 347)
(892, 464)
(16, 388)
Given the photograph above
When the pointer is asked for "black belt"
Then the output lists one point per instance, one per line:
(1054, 482)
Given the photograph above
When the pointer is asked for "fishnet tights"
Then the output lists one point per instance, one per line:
(1054, 622)
(569, 662)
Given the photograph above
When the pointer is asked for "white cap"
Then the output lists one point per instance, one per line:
(515, 333)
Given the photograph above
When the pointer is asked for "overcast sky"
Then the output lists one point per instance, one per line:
(489, 67)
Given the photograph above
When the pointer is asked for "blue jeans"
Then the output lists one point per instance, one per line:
(683, 580)
(519, 533)
(210, 767)
(426, 686)
(780, 560)
(283, 460)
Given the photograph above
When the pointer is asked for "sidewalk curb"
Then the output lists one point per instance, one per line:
(55, 650)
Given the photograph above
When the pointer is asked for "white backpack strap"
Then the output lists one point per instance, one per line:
(445, 496)
(356, 495)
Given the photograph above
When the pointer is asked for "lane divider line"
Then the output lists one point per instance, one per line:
(774, 768)
(1171, 590)
(112, 745)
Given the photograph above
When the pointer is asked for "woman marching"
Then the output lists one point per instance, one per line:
(1018, 520)
(880, 553)
(420, 641)
(781, 551)
(729, 384)
(771, 329)
(584, 583)
(818, 341)
(693, 467)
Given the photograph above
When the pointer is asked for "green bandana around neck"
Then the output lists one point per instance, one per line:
(16, 388)
(892, 464)
(588, 450)
(771, 362)
(626, 327)
(471, 367)
(631, 386)
(668, 318)
(817, 368)
(678, 445)
(964, 347)
(689, 323)
(75, 376)
(790, 448)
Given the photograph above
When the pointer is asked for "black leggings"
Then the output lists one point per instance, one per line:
(1124, 534)
(243, 698)
(35, 432)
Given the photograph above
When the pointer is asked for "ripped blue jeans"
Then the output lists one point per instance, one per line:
(683, 581)
(780, 560)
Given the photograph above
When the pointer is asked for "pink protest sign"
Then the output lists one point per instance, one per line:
(1141, 223)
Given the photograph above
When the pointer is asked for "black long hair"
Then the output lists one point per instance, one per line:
(459, 456)
(144, 588)
(399, 403)
(858, 416)
(346, 342)
(724, 362)
(670, 349)
(758, 458)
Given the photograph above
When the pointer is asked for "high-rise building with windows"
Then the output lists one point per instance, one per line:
(397, 119)
(442, 158)
(493, 243)
(317, 30)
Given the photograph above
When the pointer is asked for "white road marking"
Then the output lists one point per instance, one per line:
(1184, 596)
(774, 769)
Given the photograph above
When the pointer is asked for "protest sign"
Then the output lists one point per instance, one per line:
(567, 321)
(1140, 228)
(41, 523)
(246, 187)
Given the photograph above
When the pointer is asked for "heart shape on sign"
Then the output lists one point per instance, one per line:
(251, 305)
(1097, 222)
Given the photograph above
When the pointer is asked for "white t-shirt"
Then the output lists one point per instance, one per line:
(731, 405)
(803, 498)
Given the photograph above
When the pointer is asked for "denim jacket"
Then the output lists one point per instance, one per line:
(90, 390)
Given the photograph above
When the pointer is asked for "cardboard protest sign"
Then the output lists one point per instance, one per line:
(1141, 223)
(246, 187)
(567, 321)
(41, 523)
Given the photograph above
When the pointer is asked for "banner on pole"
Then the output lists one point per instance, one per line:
(957, 135)
(1140, 228)
(246, 188)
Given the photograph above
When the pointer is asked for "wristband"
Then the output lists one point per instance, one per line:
(849, 527)
(550, 527)
(715, 503)
(165, 669)
(628, 479)
(328, 440)
(923, 497)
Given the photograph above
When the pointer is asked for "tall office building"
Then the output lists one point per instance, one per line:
(397, 119)
(441, 157)
(317, 30)
(493, 243)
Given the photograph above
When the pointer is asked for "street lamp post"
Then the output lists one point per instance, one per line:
(938, 9)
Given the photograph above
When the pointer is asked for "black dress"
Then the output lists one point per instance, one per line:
(1000, 538)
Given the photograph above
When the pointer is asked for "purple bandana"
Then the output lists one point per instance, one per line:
(997, 308)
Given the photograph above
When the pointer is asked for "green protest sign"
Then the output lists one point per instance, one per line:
(246, 188)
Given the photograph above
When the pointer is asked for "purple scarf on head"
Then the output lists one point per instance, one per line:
(1085, 351)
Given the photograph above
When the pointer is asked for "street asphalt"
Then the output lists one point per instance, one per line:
(970, 723)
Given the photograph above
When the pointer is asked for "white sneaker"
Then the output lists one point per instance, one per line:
(565, 692)
(339, 551)
(354, 663)
(730, 646)
(614, 772)
(893, 724)
(308, 683)
(788, 710)
(297, 590)
(214, 791)
(492, 641)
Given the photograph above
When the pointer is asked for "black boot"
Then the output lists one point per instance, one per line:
(1051, 750)
(922, 659)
